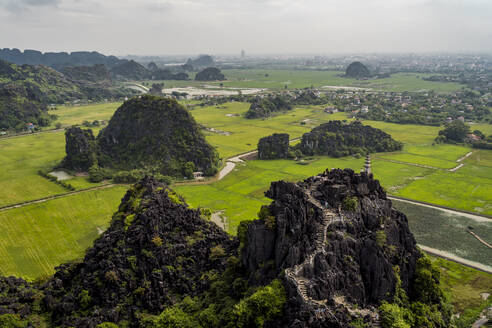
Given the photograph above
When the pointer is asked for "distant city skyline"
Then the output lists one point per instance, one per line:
(177, 27)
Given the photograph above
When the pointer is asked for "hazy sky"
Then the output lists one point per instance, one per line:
(159, 27)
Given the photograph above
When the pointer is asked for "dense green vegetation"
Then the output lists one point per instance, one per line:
(157, 134)
(465, 287)
(425, 306)
(27, 91)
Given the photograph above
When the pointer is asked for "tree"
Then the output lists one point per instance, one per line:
(455, 131)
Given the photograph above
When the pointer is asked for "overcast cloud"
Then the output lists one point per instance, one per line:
(160, 27)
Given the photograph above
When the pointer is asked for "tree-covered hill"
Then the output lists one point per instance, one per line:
(337, 139)
(146, 133)
(26, 91)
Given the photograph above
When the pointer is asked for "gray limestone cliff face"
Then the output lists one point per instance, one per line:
(336, 240)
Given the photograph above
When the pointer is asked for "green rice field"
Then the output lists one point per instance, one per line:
(36, 238)
(276, 79)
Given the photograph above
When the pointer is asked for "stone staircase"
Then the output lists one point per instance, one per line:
(302, 283)
(295, 274)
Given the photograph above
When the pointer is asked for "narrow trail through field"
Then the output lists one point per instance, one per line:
(42, 200)
(407, 163)
(30, 134)
(480, 239)
(464, 157)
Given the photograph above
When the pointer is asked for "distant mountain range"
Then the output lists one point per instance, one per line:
(58, 60)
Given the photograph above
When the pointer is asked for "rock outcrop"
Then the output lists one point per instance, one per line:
(130, 70)
(337, 240)
(210, 74)
(201, 61)
(337, 139)
(357, 70)
(81, 148)
(274, 146)
(150, 131)
(155, 249)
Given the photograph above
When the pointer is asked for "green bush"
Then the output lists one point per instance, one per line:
(98, 174)
(216, 252)
(393, 316)
(262, 306)
(107, 325)
(381, 238)
(350, 203)
(174, 317)
(265, 215)
(11, 321)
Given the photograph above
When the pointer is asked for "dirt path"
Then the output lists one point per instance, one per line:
(454, 169)
(42, 200)
(457, 259)
(480, 239)
(464, 157)
(30, 134)
(407, 163)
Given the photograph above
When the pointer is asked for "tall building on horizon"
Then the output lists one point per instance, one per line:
(243, 54)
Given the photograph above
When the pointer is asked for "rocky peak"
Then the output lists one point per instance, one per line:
(337, 240)
(155, 250)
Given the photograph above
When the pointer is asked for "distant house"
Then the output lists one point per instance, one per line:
(3, 133)
(472, 137)
(331, 110)
(364, 109)
(30, 126)
(461, 118)
(449, 119)
(197, 175)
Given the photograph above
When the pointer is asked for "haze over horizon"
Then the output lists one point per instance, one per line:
(150, 27)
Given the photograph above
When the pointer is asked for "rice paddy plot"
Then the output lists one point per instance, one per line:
(448, 232)
(36, 238)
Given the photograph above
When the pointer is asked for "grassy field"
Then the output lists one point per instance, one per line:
(279, 79)
(245, 133)
(453, 189)
(22, 157)
(448, 232)
(464, 285)
(71, 115)
(241, 193)
(36, 238)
